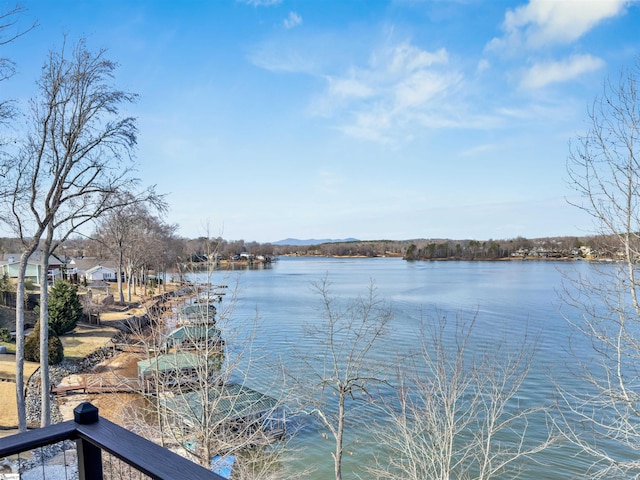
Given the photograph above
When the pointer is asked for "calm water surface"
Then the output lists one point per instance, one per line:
(512, 299)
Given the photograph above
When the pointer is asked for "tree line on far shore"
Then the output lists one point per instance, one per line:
(174, 249)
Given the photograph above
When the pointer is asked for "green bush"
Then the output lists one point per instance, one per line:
(5, 283)
(5, 335)
(65, 309)
(32, 347)
(29, 285)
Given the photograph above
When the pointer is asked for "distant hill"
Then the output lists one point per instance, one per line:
(312, 241)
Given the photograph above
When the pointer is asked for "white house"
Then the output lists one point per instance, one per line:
(100, 272)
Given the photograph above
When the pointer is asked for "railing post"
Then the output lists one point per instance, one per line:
(89, 455)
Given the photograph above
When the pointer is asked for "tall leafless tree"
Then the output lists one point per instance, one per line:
(76, 158)
(604, 168)
(342, 375)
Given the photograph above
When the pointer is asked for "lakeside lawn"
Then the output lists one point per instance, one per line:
(77, 345)
(85, 340)
(8, 408)
(8, 368)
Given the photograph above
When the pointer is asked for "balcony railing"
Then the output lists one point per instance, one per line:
(94, 436)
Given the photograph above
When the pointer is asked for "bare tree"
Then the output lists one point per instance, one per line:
(207, 384)
(604, 169)
(341, 376)
(457, 412)
(10, 30)
(75, 159)
(134, 237)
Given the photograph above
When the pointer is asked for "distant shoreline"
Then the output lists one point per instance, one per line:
(455, 259)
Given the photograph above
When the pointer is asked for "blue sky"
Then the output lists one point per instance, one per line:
(399, 119)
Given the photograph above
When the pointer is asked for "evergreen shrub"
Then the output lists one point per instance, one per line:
(32, 347)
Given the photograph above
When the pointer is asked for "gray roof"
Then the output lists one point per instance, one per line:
(230, 402)
(34, 258)
(169, 361)
(86, 263)
(195, 332)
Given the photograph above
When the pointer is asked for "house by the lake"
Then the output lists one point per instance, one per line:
(10, 265)
(100, 273)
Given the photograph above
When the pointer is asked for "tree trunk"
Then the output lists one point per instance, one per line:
(119, 273)
(20, 386)
(45, 402)
(337, 457)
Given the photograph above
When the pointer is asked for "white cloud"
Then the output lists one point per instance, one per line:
(543, 74)
(260, 3)
(349, 88)
(546, 22)
(371, 124)
(419, 88)
(400, 92)
(479, 149)
(406, 58)
(483, 66)
(401, 88)
(273, 58)
(293, 20)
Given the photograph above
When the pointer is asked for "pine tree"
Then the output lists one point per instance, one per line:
(65, 309)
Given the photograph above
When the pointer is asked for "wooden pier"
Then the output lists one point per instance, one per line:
(99, 384)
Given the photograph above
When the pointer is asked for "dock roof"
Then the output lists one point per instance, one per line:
(230, 402)
(170, 361)
(195, 332)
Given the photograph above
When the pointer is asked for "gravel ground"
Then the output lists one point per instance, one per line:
(56, 374)
(52, 472)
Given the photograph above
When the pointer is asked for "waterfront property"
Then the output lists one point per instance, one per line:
(182, 370)
(231, 413)
(198, 313)
(10, 263)
(195, 337)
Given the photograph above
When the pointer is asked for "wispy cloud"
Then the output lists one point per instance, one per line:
(546, 22)
(260, 3)
(479, 149)
(293, 20)
(543, 74)
(402, 85)
(274, 57)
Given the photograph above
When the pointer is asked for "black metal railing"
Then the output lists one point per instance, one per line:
(95, 435)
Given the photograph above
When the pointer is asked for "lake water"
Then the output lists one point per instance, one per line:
(512, 299)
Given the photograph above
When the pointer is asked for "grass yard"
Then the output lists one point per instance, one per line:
(77, 345)
(8, 409)
(8, 368)
(85, 340)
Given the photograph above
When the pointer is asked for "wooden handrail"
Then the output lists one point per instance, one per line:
(94, 434)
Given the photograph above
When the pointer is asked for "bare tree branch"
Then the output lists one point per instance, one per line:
(457, 413)
(604, 168)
